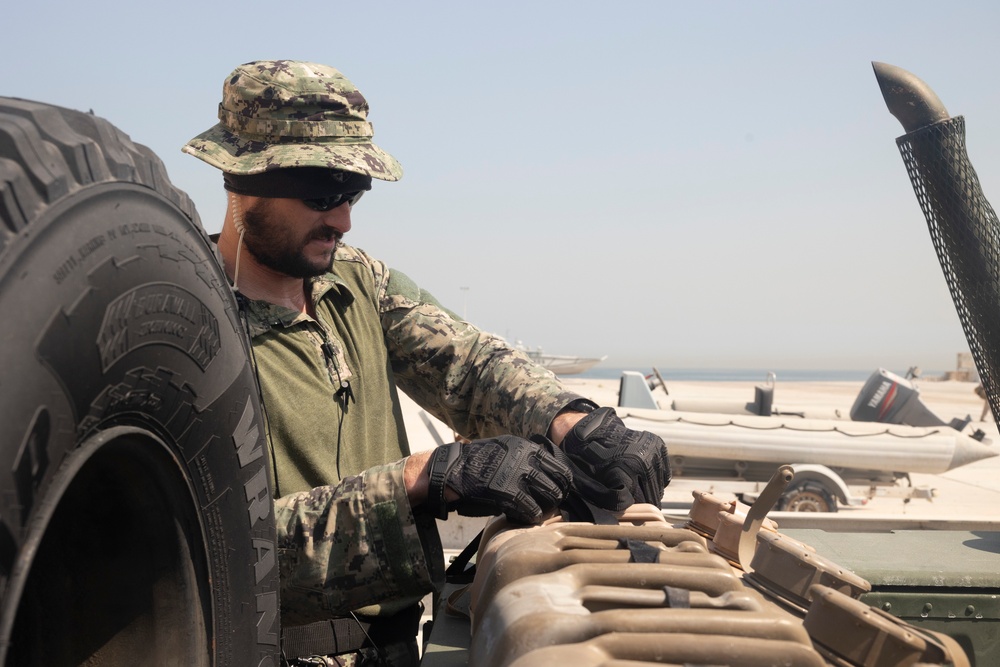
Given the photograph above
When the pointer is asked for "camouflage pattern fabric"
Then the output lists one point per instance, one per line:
(347, 535)
(348, 547)
(471, 380)
(284, 113)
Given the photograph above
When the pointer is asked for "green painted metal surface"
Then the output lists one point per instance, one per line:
(943, 581)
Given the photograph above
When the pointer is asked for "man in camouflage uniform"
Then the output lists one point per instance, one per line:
(335, 332)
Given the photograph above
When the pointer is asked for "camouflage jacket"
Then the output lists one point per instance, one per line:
(347, 536)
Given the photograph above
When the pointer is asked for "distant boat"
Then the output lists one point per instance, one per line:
(560, 364)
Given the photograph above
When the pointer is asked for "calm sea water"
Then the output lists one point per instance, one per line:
(747, 374)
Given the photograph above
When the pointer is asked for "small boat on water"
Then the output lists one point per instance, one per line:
(560, 364)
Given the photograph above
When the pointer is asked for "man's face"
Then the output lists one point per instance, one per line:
(287, 236)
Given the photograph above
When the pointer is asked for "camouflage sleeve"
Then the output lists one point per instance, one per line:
(344, 547)
(469, 379)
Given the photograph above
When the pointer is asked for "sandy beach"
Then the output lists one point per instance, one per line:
(969, 493)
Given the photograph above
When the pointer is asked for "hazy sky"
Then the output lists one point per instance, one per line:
(698, 184)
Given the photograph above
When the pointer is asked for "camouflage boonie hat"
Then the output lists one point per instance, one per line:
(283, 113)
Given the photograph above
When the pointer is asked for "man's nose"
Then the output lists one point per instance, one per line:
(339, 218)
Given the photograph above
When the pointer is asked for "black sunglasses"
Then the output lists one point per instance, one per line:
(333, 201)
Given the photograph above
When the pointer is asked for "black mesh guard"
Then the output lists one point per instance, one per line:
(966, 237)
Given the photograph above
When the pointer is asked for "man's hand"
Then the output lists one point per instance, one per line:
(614, 466)
(522, 479)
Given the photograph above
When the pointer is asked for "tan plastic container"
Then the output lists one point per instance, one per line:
(570, 594)
(516, 554)
(707, 512)
(584, 601)
(848, 629)
(787, 569)
(636, 650)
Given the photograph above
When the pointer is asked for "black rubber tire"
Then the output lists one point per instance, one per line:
(807, 496)
(136, 518)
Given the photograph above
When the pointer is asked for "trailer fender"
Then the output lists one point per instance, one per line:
(815, 472)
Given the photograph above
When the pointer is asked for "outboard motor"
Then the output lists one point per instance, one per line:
(889, 398)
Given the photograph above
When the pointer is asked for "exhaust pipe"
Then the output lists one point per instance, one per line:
(909, 99)
(963, 226)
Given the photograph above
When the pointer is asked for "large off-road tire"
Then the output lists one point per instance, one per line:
(135, 509)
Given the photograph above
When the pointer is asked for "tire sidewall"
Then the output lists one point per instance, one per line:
(116, 313)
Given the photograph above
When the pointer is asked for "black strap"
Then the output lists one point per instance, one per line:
(401, 627)
(458, 571)
(333, 637)
(640, 552)
(577, 508)
(677, 598)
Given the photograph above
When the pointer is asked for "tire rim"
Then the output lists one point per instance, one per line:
(808, 501)
(123, 554)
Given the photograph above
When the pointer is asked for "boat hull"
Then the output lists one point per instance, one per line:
(565, 365)
(837, 444)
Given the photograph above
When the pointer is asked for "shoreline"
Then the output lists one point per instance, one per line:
(672, 375)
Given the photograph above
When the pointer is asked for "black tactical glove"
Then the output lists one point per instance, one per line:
(614, 466)
(523, 479)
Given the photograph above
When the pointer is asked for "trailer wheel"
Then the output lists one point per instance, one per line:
(809, 496)
(135, 509)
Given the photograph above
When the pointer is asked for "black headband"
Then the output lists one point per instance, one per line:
(297, 183)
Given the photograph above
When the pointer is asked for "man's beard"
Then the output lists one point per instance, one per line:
(273, 248)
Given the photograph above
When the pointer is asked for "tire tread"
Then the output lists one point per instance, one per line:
(60, 150)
